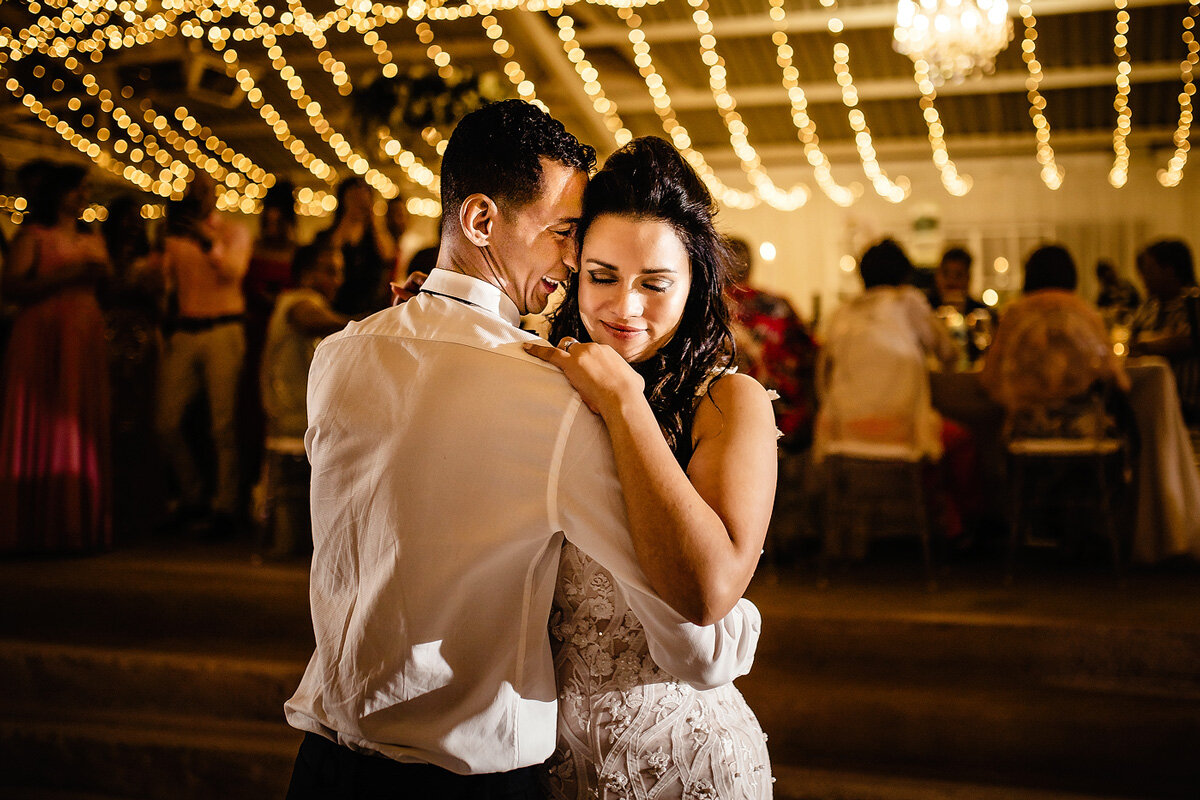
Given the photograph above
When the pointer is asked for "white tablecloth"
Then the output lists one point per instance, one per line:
(1168, 513)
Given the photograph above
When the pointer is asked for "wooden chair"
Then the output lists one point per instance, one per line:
(1098, 457)
(857, 481)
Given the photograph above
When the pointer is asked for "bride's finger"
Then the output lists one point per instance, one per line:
(546, 353)
(566, 343)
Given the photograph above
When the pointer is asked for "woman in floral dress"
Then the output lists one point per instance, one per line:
(644, 336)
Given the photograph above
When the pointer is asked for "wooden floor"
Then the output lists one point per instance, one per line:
(160, 672)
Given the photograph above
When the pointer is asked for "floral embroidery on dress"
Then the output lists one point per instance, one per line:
(658, 762)
(700, 790)
(627, 729)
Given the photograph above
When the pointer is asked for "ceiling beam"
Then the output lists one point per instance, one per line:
(904, 88)
(762, 95)
(862, 17)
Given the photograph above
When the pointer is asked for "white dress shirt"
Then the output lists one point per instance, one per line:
(447, 463)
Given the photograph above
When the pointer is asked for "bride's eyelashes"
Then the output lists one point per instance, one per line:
(600, 278)
(604, 279)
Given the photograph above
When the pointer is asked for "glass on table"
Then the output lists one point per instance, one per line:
(979, 325)
(1120, 325)
(956, 326)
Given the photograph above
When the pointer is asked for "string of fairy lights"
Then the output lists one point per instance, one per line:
(1051, 173)
(1119, 174)
(590, 76)
(806, 129)
(159, 149)
(956, 184)
(679, 136)
(892, 191)
(1173, 173)
(739, 133)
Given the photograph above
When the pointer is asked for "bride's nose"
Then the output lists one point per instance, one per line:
(630, 304)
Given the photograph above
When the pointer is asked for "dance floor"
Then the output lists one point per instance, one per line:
(161, 670)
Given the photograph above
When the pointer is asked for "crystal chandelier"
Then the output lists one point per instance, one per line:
(955, 38)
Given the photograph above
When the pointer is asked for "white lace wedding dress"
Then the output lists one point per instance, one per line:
(628, 730)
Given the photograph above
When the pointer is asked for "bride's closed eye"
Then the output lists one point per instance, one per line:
(601, 278)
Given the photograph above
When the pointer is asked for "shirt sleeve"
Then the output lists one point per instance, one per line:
(586, 503)
(933, 336)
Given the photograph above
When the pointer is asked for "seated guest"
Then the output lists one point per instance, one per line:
(773, 347)
(950, 285)
(951, 282)
(1115, 292)
(1050, 352)
(873, 381)
(871, 374)
(1163, 326)
(302, 317)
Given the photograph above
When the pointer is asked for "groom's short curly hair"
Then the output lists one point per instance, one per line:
(497, 151)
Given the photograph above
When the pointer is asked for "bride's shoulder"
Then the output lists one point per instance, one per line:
(737, 396)
(735, 387)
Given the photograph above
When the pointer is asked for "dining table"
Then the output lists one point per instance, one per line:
(1166, 521)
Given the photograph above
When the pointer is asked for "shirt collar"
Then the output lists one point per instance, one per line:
(474, 291)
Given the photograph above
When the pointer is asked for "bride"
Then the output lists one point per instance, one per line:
(644, 337)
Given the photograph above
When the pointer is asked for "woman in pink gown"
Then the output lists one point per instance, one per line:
(54, 432)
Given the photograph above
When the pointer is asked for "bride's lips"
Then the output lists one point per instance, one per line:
(622, 331)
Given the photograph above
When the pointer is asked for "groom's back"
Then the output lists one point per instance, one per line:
(434, 442)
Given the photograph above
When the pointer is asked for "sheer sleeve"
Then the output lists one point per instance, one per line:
(587, 504)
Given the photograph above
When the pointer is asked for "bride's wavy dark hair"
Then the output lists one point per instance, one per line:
(648, 179)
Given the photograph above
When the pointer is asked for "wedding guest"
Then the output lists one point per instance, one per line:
(3, 235)
(423, 260)
(268, 274)
(397, 224)
(270, 269)
(426, 258)
(873, 381)
(134, 306)
(367, 249)
(1164, 326)
(302, 317)
(871, 373)
(1115, 291)
(774, 347)
(952, 281)
(951, 285)
(205, 257)
(1050, 352)
(55, 493)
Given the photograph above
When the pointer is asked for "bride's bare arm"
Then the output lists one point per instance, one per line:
(698, 535)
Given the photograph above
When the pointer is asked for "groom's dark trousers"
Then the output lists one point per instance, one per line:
(328, 771)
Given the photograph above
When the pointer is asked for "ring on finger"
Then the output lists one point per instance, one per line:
(566, 344)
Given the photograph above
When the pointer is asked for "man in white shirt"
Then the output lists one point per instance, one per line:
(205, 258)
(446, 467)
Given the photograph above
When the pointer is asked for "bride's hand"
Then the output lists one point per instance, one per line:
(603, 379)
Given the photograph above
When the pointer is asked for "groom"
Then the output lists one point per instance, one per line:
(446, 467)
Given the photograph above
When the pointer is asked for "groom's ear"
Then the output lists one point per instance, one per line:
(477, 216)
